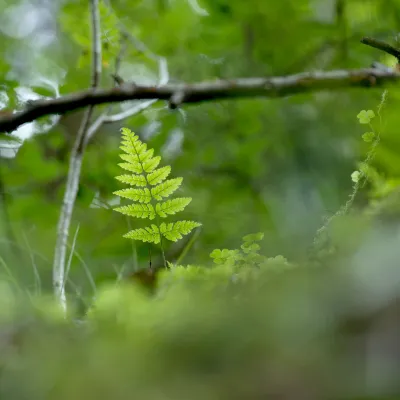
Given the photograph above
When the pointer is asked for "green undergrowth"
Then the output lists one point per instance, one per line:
(198, 338)
(208, 333)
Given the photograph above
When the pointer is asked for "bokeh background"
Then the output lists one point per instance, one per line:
(316, 325)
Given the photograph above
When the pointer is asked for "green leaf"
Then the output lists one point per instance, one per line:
(355, 176)
(138, 157)
(141, 162)
(158, 175)
(253, 237)
(368, 137)
(216, 253)
(365, 117)
(166, 188)
(133, 180)
(173, 206)
(134, 147)
(134, 160)
(138, 210)
(135, 168)
(175, 231)
(226, 256)
(151, 164)
(140, 195)
(149, 234)
(250, 247)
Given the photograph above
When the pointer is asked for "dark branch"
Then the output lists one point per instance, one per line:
(378, 44)
(205, 91)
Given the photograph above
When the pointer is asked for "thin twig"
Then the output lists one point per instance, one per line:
(106, 118)
(130, 112)
(86, 268)
(75, 166)
(71, 254)
(380, 45)
(38, 282)
(136, 109)
(103, 117)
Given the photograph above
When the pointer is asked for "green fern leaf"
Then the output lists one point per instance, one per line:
(133, 159)
(158, 175)
(138, 210)
(135, 168)
(175, 231)
(128, 134)
(143, 157)
(140, 195)
(133, 180)
(140, 157)
(151, 164)
(151, 186)
(149, 234)
(131, 143)
(173, 206)
(130, 158)
(166, 188)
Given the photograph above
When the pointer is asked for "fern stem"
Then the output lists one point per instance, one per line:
(162, 246)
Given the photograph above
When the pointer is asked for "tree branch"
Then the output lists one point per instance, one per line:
(378, 44)
(205, 91)
(75, 166)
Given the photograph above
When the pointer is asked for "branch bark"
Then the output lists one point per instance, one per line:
(383, 46)
(205, 91)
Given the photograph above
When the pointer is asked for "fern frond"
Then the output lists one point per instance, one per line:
(175, 231)
(133, 180)
(150, 185)
(165, 189)
(150, 234)
(173, 206)
(158, 175)
(140, 195)
(138, 210)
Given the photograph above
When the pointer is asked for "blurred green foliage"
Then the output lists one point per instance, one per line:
(203, 335)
